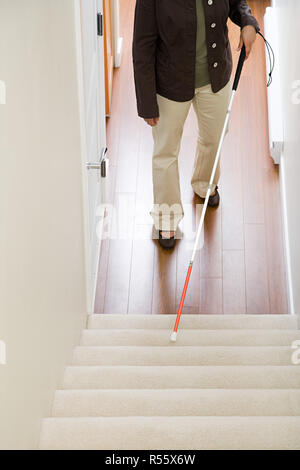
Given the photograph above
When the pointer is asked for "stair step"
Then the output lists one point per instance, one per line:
(227, 383)
(176, 402)
(182, 355)
(210, 322)
(186, 337)
(185, 433)
(157, 377)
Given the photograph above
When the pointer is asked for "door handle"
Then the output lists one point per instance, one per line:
(97, 165)
(93, 166)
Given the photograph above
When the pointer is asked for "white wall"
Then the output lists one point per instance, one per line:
(288, 19)
(42, 262)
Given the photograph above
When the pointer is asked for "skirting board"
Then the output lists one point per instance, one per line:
(117, 40)
(274, 91)
(286, 237)
(118, 55)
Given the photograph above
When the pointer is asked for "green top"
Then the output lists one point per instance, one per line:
(202, 75)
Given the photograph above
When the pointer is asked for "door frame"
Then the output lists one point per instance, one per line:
(90, 289)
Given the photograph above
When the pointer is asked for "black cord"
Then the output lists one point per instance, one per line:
(271, 57)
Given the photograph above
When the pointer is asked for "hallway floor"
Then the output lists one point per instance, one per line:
(241, 267)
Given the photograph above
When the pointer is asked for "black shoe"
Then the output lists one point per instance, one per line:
(166, 243)
(213, 201)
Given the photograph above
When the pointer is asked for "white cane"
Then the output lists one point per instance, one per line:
(234, 88)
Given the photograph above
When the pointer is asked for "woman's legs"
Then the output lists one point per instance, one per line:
(167, 210)
(210, 109)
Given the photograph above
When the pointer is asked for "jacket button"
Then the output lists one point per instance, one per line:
(210, 2)
(214, 45)
(213, 25)
(215, 64)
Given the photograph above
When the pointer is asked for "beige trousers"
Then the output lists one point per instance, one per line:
(210, 109)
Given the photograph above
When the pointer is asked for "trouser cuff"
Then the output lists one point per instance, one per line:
(166, 221)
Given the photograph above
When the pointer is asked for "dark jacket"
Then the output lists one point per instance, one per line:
(164, 47)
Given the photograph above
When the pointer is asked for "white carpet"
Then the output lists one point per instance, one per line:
(228, 383)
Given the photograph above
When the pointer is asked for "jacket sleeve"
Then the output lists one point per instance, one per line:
(240, 14)
(143, 55)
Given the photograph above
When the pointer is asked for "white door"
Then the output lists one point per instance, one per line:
(91, 12)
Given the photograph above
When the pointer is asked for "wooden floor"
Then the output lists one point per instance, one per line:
(241, 268)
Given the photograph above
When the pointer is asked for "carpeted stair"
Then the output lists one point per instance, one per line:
(227, 383)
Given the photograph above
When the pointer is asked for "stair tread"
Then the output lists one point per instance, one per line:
(172, 376)
(177, 402)
(191, 321)
(161, 337)
(189, 433)
(181, 355)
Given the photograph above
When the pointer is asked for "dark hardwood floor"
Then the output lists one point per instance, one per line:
(241, 267)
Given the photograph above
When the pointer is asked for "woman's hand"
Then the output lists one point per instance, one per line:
(152, 121)
(248, 36)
